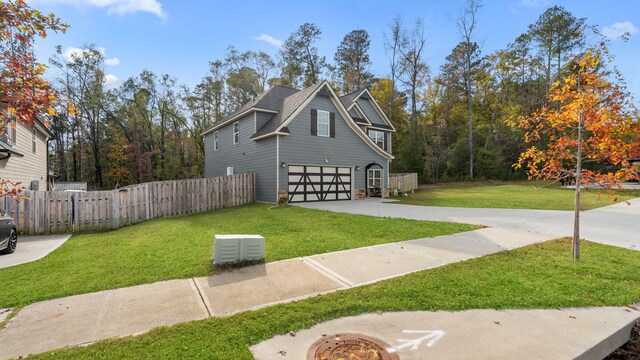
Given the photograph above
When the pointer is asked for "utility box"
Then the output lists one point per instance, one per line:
(229, 249)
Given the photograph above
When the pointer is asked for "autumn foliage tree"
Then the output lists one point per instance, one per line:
(588, 131)
(24, 92)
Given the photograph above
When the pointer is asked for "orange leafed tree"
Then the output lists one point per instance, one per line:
(588, 132)
(24, 93)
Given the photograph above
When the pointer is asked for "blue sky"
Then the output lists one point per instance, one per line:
(181, 37)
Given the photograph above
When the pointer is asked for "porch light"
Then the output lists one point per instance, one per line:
(283, 164)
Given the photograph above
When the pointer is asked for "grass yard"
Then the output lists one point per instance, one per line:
(537, 276)
(518, 195)
(181, 247)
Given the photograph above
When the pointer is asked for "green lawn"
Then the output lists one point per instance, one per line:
(519, 195)
(181, 247)
(537, 276)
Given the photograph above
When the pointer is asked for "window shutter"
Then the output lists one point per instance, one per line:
(314, 122)
(332, 125)
(386, 142)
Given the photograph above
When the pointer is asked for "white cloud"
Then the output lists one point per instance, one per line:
(111, 81)
(270, 39)
(119, 7)
(617, 29)
(536, 4)
(112, 62)
(71, 53)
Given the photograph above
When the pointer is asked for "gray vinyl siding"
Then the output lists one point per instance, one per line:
(245, 156)
(261, 119)
(375, 118)
(371, 113)
(346, 149)
(32, 166)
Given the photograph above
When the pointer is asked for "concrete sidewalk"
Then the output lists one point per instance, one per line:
(574, 333)
(87, 318)
(32, 248)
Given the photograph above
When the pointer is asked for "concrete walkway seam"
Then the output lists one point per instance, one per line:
(205, 302)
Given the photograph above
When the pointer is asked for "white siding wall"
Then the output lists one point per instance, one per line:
(30, 166)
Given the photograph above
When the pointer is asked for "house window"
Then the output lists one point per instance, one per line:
(9, 134)
(374, 177)
(377, 137)
(33, 140)
(323, 123)
(236, 133)
(215, 140)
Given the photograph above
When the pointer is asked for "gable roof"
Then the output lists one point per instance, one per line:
(269, 101)
(349, 100)
(289, 105)
(286, 103)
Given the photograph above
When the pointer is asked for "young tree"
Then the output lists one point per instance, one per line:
(392, 45)
(466, 26)
(590, 120)
(414, 75)
(352, 61)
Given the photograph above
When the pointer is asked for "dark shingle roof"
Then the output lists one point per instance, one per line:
(269, 100)
(289, 105)
(348, 98)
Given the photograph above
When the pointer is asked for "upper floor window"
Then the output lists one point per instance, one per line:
(9, 134)
(323, 123)
(215, 140)
(236, 132)
(377, 137)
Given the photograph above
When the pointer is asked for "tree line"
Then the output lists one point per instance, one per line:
(453, 122)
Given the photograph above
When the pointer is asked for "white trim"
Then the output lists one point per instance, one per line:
(255, 122)
(328, 123)
(369, 131)
(270, 135)
(234, 133)
(378, 128)
(345, 115)
(356, 128)
(228, 121)
(301, 107)
(361, 113)
(377, 108)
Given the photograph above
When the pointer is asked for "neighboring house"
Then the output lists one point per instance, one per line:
(24, 154)
(305, 145)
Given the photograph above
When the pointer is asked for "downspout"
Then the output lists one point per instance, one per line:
(277, 168)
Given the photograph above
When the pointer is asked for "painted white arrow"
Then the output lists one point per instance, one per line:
(432, 335)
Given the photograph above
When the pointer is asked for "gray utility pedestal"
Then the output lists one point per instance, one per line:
(229, 249)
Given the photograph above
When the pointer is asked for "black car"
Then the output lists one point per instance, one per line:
(8, 234)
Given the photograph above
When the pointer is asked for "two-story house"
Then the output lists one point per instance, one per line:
(305, 145)
(23, 154)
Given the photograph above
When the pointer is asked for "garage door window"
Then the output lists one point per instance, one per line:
(374, 178)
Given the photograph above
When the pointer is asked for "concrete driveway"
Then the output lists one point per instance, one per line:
(617, 224)
(32, 248)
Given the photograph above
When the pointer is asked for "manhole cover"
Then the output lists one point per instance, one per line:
(350, 346)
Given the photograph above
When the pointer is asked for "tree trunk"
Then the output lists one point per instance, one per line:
(575, 244)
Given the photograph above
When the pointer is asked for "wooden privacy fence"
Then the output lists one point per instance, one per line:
(65, 212)
(405, 182)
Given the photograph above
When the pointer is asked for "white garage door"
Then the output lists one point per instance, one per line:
(319, 183)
